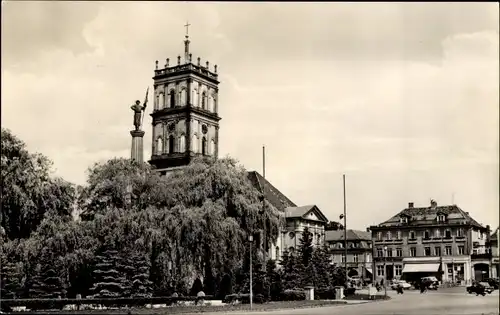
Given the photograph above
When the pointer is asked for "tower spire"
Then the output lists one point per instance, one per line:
(186, 44)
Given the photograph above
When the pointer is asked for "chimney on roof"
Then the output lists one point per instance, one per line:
(367, 229)
(410, 205)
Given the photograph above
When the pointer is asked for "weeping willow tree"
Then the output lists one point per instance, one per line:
(192, 223)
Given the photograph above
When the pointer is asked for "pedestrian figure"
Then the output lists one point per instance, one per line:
(423, 286)
(400, 289)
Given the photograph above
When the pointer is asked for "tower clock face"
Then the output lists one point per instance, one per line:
(204, 129)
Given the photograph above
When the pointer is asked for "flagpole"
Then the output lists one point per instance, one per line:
(145, 104)
(345, 235)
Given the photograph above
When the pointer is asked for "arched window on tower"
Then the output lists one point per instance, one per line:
(211, 103)
(212, 147)
(277, 253)
(204, 150)
(204, 100)
(157, 102)
(194, 99)
(183, 98)
(171, 144)
(194, 143)
(172, 98)
(161, 101)
(159, 145)
(182, 143)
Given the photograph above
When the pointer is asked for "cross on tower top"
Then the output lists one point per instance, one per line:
(187, 29)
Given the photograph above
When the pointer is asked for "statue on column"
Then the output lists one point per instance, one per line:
(138, 109)
(138, 112)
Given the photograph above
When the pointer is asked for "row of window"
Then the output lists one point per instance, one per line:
(351, 245)
(398, 270)
(205, 101)
(315, 236)
(355, 258)
(174, 145)
(426, 234)
(428, 251)
(439, 218)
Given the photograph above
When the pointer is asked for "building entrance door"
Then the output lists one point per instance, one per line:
(389, 271)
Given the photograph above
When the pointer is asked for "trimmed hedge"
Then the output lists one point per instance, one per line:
(58, 304)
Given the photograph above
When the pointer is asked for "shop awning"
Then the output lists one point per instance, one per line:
(420, 268)
(369, 270)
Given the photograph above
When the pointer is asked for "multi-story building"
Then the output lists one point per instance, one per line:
(359, 251)
(297, 218)
(442, 241)
(494, 240)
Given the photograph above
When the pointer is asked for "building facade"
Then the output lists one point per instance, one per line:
(441, 241)
(359, 251)
(296, 219)
(494, 240)
(185, 114)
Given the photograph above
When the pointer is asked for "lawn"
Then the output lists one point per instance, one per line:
(199, 309)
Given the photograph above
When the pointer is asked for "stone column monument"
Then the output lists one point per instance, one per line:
(137, 149)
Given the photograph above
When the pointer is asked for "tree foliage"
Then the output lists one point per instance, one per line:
(28, 192)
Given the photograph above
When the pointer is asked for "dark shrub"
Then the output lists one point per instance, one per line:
(293, 295)
(349, 291)
(259, 299)
(197, 287)
(226, 287)
(324, 294)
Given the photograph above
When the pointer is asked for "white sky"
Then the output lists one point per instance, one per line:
(403, 97)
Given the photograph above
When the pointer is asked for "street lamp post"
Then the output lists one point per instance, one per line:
(343, 216)
(385, 271)
(250, 241)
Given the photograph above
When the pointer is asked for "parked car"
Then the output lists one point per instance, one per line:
(493, 282)
(432, 283)
(396, 283)
(480, 288)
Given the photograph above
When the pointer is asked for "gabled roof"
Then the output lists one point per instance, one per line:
(304, 211)
(428, 215)
(271, 193)
(352, 235)
(495, 234)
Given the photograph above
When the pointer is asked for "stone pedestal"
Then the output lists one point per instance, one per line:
(309, 290)
(137, 151)
(339, 293)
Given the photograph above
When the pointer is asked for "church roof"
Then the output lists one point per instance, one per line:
(271, 193)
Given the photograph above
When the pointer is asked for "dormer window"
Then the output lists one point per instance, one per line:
(403, 220)
(441, 218)
(379, 236)
(389, 235)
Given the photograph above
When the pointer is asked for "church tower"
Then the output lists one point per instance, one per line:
(185, 114)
